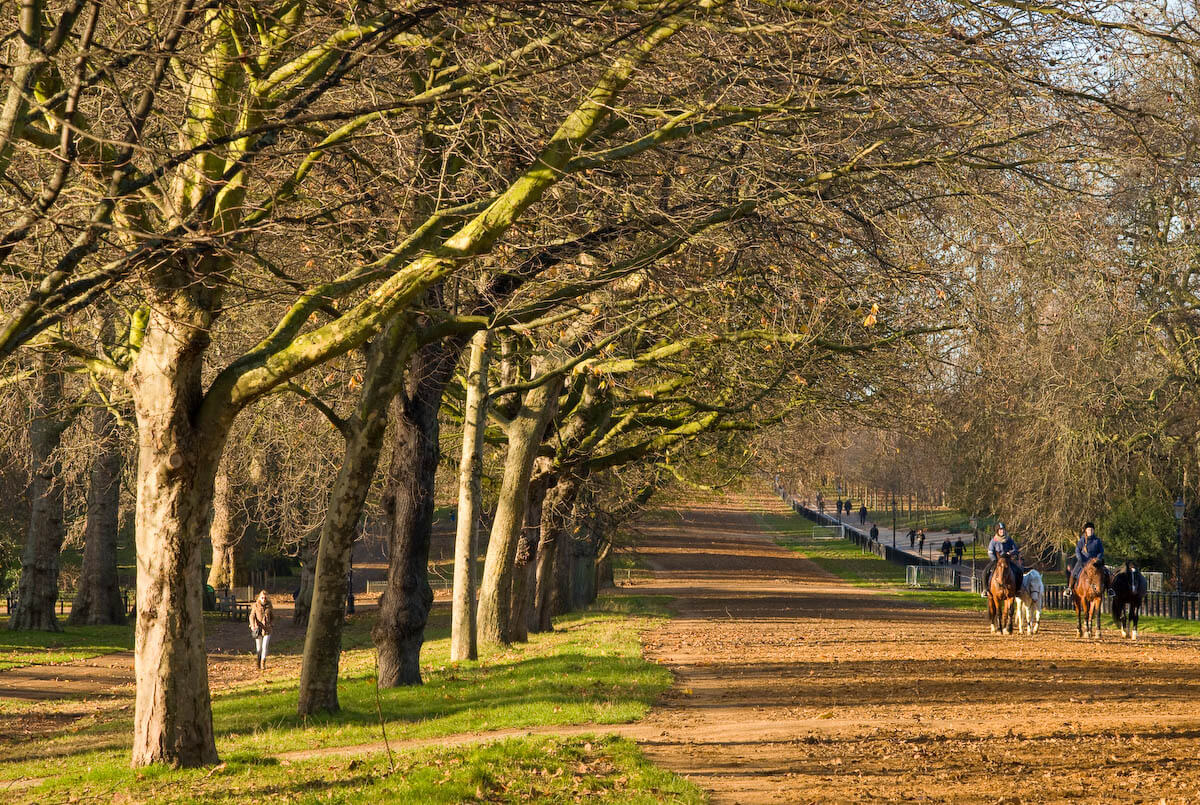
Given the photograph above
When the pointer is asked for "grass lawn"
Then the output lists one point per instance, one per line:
(603, 769)
(52, 648)
(590, 670)
(840, 557)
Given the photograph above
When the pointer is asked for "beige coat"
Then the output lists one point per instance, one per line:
(261, 616)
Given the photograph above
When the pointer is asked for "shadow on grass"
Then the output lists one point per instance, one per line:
(589, 669)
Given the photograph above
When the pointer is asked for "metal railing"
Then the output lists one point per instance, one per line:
(945, 577)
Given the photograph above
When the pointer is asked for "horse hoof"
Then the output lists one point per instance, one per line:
(993, 628)
(1134, 635)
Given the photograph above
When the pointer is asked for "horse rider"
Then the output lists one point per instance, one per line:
(1002, 545)
(1088, 547)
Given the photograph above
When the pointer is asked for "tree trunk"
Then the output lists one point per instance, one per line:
(37, 591)
(561, 596)
(462, 617)
(364, 438)
(177, 466)
(525, 568)
(308, 578)
(404, 606)
(551, 551)
(524, 438)
(222, 535)
(98, 600)
(323, 639)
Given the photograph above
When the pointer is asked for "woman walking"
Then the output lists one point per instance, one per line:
(261, 615)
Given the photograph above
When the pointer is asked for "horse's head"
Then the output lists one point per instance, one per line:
(1004, 582)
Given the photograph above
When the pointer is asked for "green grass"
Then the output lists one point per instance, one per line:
(604, 769)
(840, 557)
(590, 670)
(71, 644)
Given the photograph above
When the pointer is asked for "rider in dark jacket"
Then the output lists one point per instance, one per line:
(1088, 547)
(1002, 545)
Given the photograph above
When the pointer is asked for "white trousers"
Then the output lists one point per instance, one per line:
(260, 646)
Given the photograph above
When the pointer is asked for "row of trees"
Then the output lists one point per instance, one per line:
(1069, 393)
(232, 228)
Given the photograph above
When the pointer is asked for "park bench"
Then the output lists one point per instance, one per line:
(235, 602)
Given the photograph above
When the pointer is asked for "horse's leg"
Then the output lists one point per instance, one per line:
(1133, 618)
(1037, 617)
(1097, 607)
(1078, 618)
(992, 613)
(1010, 607)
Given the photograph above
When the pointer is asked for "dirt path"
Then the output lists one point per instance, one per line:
(795, 687)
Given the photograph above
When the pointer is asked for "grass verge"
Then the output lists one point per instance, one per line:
(53, 648)
(589, 670)
(604, 769)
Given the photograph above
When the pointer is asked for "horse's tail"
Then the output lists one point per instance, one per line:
(1118, 604)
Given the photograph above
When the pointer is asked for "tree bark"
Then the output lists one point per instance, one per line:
(548, 595)
(525, 566)
(37, 591)
(364, 437)
(98, 600)
(524, 438)
(323, 638)
(463, 644)
(308, 578)
(404, 606)
(222, 535)
(177, 466)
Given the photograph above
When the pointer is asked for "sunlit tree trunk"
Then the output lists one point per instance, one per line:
(463, 644)
(524, 437)
(178, 459)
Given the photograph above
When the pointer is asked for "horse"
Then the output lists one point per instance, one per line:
(1002, 595)
(1129, 588)
(1029, 603)
(1089, 597)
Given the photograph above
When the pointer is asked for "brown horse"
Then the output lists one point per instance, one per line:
(1002, 595)
(1090, 588)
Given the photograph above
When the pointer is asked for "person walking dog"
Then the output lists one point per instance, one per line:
(261, 615)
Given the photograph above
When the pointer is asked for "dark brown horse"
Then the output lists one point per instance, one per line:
(1002, 595)
(1129, 588)
(1089, 598)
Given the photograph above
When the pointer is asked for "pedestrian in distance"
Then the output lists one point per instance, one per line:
(874, 533)
(920, 540)
(946, 550)
(862, 515)
(959, 547)
(839, 507)
(849, 511)
(261, 616)
(912, 537)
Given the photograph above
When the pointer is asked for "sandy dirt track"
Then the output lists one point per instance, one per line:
(793, 686)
